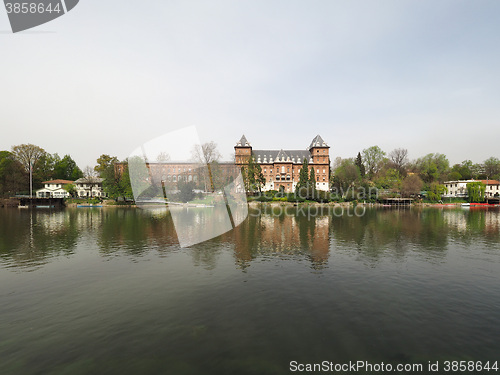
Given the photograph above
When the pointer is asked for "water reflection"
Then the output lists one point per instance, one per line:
(30, 239)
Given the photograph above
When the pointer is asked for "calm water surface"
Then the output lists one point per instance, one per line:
(109, 291)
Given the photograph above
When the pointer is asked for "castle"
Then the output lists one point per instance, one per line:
(281, 168)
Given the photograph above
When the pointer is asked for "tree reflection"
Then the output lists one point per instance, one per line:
(30, 238)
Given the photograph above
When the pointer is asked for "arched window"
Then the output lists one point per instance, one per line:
(190, 178)
(283, 169)
(169, 178)
(179, 178)
(175, 178)
(277, 178)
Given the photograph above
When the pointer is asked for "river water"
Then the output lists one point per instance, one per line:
(109, 291)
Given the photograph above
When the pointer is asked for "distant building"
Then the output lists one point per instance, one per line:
(282, 167)
(459, 188)
(54, 189)
(89, 187)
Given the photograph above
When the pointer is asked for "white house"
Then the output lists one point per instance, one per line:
(54, 189)
(89, 187)
(459, 188)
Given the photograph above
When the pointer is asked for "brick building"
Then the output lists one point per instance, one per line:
(282, 167)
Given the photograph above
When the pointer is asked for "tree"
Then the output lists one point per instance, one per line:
(116, 181)
(475, 191)
(45, 168)
(71, 189)
(389, 178)
(302, 187)
(399, 158)
(436, 191)
(205, 155)
(432, 167)
(412, 185)
(360, 165)
(373, 158)
(105, 163)
(28, 155)
(163, 157)
(492, 168)
(11, 174)
(311, 188)
(346, 175)
(186, 192)
(66, 169)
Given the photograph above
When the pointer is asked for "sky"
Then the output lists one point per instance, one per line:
(111, 75)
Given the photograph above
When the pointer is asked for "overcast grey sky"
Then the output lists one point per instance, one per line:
(111, 75)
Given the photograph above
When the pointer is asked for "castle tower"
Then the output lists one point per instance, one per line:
(320, 157)
(242, 151)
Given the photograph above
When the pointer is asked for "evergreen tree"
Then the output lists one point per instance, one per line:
(360, 165)
(301, 187)
(259, 178)
(312, 184)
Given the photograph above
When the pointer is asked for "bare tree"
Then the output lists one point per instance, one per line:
(399, 158)
(28, 155)
(90, 180)
(412, 185)
(207, 155)
(163, 157)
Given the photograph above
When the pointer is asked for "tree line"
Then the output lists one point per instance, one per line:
(394, 173)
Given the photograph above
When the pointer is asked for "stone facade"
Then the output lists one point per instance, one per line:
(282, 167)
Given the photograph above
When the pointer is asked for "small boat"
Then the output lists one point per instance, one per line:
(465, 204)
(88, 206)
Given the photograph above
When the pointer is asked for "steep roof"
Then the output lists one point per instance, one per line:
(318, 142)
(272, 156)
(243, 142)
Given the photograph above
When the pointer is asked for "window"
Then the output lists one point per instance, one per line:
(277, 178)
(175, 178)
(169, 178)
(317, 171)
(283, 169)
(323, 170)
(288, 177)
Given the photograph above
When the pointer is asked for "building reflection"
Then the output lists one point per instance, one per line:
(279, 234)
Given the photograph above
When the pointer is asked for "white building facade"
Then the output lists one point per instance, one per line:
(459, 188)
(89, 187)
(54, 189)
